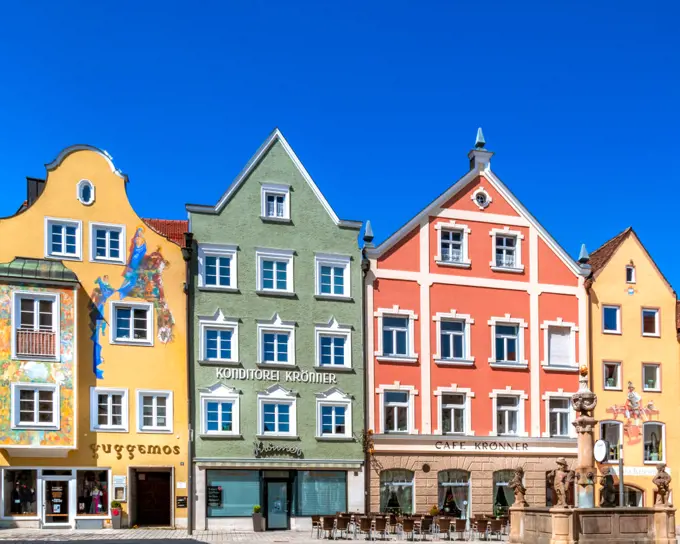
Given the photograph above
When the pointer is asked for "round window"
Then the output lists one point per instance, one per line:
(481, 199)
(85, 192)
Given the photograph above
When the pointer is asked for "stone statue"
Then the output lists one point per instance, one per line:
(662, 481)
(517, 486)
(562, 478)
(607, 491)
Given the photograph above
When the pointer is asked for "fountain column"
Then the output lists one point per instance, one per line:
(584, 402)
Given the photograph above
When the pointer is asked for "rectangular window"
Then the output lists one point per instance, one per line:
(653, 435)
(507, 340)
(35, 405)
(452, 337)
(217, 271)
(35, 327)
(396, 406)
(332, 280)
(275, 418)
(505, 251)
(320, 492)
(275, 205)
(275, 347)
(611, 432)
(333, 420)
(560, 410)
(507, 415)
(94, 495)
(21, 489)
(650, 322)
(109, 409)
(217, 266)
(63, 239)
(453, 414)
(218, 344)
(630, 274)
(332, 350)
(132, 323)
(155, 411)
(612, 375)
(107, 243)
(651, 377)
(275, 202)
(395, 336)
(219, 416)
(274, 275)
(232, 493)
(560, 346)
(611, 319)
(332, 275)
(452, 246)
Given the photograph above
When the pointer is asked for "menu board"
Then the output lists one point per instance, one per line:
(215, 496)
(181, 502)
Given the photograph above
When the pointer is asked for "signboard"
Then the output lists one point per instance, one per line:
(458, 445)
(120, 488)
(637, 471)
(181, 502)
(294, 376)
(262, 450)
(215, 496)
(600, 450)
(562, 447)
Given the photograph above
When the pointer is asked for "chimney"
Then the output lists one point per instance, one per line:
(34, 188)
(480, 157)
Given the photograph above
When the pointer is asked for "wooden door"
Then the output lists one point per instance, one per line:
(154, 498)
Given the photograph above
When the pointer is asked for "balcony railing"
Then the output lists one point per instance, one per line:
(30, 343)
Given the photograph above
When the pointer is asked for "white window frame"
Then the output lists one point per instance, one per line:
(333, 328)
(94, 409)
(218, 322)
(276, 394)
(168, 413)
(618, 319)
(521, 420)
(220, 393)
(93, 243)
(618, 386)
(521, 325)
(656, 389)
(573, 364)
(281, 255)
(468, 359)
(49, 254)
(620, 427)
(16, 387)
(56, 322)
(79, 187)
(452, 226)
(275, 189)
(332, 260)
(559, 394)
(630, 267)
(488, 200)
(275, 325)
(663, 442)
(334, 397)
(395, 311)
(220, 251)
(657, 322)
(411, 418)
(454, 390)
(114, 305)
(519, 237)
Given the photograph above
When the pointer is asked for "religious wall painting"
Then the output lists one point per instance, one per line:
(142, 279)
(634, 413)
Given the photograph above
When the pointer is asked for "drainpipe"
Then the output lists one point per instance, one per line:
(368, 401)
(187, 252)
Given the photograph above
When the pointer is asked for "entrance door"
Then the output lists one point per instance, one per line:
(56, 506)
(154, 497)
(277, 505)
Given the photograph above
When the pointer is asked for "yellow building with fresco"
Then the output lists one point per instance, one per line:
(93, 375)
(634, 363)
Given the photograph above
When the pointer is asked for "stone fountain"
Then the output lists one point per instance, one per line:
(587, 524)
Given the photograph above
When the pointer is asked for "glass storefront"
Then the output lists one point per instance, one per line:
(232, 493)
(320, 492)
(92, 487)
(396, 491)
(454, 492)
(20, 492)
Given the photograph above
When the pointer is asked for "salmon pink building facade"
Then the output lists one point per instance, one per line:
(476, 328)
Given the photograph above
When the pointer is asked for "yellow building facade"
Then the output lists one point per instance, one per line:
(93, 375)
(634, 363)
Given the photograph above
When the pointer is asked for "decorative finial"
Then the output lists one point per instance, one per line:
(583, 256)
(480, 142)
(368, 232)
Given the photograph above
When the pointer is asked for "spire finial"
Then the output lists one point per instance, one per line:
(480, 142)
(583, 256)
(368, 232)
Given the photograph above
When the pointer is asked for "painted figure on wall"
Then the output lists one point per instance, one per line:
(142, 279)
(635, 413)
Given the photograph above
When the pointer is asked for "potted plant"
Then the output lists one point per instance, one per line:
(650, 384)
(611, 382)
(258, 519)
(116, 512)
(434, 511)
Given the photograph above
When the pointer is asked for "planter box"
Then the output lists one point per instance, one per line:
(115, 521)
(258, 523)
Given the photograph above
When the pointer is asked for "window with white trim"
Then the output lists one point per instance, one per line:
(85, 192)
(276, 341)
(277, 412)
(452, 243)
(612, 432)
(35, 326)
(611, 319)
(507, 250)
(396, 410)
(612, 375)
(630, 274)
(219, 410)
(453, 413)
(63, 238)
(559, 409)
(332, 275)
(132, 323)
(453, 338)
(507, 415)
(651, 377)
(333, 345)
(650, 322)
(507, 337)
(274, 271)
(654, 438)
(35, 405)
(154, 411)
(217, 266)
(106, 243)
(108, 409)
(218, 339)
(560, 345)
(275, 202)
(333, 414)
(396, 335)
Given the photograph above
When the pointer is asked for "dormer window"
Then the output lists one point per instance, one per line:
(275, 202)
(630, 274)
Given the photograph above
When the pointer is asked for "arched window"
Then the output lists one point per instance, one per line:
(85, 192)
(612, 432)
(633, 496)
(454, 492)
(503, 495)
(396, 491)
(654, 434)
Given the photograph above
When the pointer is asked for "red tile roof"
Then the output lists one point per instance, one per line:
(600, 257)
(172, 229)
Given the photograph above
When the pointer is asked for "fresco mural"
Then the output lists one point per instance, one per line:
(634, 414)
(142, 279)
(61, 373)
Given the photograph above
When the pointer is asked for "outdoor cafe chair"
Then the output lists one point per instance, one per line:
(480, 527)
(381, 526)
(328, 526)
(408, 527)
(316, 526)
(444, 527)
(342, 525)
(365, 527)
(461, 527)
(496, 528)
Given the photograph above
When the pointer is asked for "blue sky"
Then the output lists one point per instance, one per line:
(380, 100)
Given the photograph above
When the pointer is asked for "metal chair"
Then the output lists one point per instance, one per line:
(408, 527)
(495, 528)
(365, 527)
(381, 526)
(444, 527)
(480, 527)
(328, 526)
(426, 526)
(316, 526)
(461, 527)
(341, 526)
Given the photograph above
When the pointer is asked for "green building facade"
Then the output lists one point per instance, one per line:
(278, 368)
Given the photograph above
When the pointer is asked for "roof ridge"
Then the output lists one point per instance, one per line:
(624, 231)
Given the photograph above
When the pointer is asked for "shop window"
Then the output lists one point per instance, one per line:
(20, 488)
(453, 492)
(653, 434)
(503, 495)
(232, 493)
(550, 498)
(320, 492)
(396, 491)
(93, 492)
